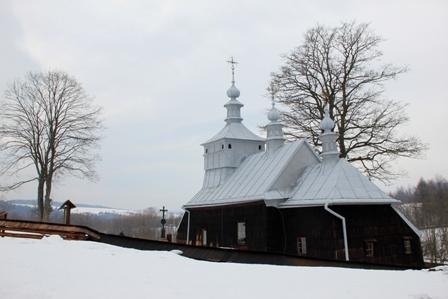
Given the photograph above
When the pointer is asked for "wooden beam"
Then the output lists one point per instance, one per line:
(70, 231)
(15, 235)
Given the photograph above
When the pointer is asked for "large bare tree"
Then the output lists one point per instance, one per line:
(48, 128)
(340, 67)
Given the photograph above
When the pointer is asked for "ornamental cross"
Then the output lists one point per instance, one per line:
(233, 62)
(163, 210)
(272, 89)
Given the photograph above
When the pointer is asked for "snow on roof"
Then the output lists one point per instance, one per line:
(235, 130)
(335, 183)
(251, 180)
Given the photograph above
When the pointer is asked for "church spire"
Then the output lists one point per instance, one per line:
(274, 128)
(233, 106)
(328, 138)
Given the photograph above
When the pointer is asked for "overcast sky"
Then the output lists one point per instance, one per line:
(158, 69)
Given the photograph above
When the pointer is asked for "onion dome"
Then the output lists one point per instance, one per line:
(233, 92)
(274, 115)
(327, 124)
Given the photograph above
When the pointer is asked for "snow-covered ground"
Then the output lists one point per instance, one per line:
(82, 209)
(53, 268)
(96, 211)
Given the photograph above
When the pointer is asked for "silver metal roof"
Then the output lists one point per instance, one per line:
(320, 183)
(255, 176)
(335, 183)
(235, 130)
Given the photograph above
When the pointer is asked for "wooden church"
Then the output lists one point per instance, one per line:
(276, 196)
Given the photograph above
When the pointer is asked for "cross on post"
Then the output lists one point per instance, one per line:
(233, 62)
(163, 221)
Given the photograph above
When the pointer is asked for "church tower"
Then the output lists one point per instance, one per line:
(274, 129)
(328, 138)
(225, 151)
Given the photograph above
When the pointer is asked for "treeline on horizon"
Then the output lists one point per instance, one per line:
(426, 204)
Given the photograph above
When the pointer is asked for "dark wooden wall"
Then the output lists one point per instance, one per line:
(377, 223)
(221, 225)
(320, 229)
(273, 230)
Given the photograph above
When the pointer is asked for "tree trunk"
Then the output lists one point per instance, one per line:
(40, 198)
(47, 206)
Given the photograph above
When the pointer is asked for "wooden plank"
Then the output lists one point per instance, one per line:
(47, 228)
(15, 235)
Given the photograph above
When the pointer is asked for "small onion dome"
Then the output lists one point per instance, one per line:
(273, 114)
(327, 124)
(233, 92)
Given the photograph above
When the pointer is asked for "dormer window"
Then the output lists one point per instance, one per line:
(229, 146)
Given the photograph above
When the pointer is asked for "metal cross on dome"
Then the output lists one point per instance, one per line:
(233, 62)
(272, 89)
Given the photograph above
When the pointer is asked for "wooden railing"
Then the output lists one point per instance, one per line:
(37, 230)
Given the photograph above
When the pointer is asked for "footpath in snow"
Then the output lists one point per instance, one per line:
(54, 268)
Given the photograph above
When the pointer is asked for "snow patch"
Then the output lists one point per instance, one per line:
(41, 269)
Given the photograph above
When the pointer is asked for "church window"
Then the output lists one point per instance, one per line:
(369, 247)
(229, 146)
(301, 246)
(241, 233)
(407, 245)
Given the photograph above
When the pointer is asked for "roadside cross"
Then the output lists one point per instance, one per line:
(163, 221)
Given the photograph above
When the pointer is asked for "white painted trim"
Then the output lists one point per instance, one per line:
(344, 229)
(188, 227)
(408, 222)
(320, 202)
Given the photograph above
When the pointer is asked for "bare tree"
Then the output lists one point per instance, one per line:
(339, 67)
(47, 123)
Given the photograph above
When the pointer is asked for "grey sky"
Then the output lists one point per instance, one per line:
(158, 69)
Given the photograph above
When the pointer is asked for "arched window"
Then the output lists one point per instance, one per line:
(229, 146)
(259, 147)
(222, 146)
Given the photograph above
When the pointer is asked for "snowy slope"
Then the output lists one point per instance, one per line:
(44, 268)
(100, 210)
(80, 208)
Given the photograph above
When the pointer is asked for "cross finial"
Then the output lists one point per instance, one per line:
(233, 62)
(273, 91)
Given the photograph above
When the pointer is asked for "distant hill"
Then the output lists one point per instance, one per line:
(143, 223)
(56, 204)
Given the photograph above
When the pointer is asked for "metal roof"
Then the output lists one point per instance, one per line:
(335, 183)
(252, 179)
(235, 130)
